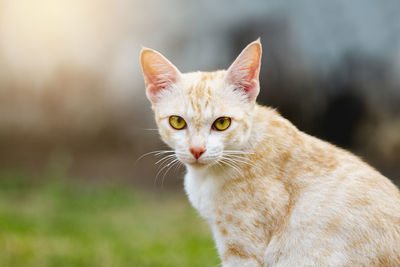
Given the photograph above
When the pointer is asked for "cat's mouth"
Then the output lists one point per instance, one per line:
(205, 160)
(197, 163)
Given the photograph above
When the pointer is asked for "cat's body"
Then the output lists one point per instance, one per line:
(306, 203)
(272, 195)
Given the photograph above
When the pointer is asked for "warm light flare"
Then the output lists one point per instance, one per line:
(39, 36)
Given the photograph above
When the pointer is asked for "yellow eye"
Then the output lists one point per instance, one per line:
(176, 122)
(222, 123)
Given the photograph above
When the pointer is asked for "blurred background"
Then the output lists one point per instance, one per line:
(74, 119)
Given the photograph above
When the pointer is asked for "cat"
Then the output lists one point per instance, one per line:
(271, 194)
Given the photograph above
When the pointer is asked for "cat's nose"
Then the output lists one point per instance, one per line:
(197, 151)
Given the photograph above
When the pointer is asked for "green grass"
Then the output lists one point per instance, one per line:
(65, 223)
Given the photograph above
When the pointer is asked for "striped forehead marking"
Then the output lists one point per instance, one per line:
(200, 96)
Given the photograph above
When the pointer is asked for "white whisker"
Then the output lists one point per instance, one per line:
(150, 129)
(241, 160)
(232, 165)
(165, 158)
(171, 164)
(238, 152)
(163, 168)
(156, 152)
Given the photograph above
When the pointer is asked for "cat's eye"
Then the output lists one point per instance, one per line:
(222, 123)
(176, 122)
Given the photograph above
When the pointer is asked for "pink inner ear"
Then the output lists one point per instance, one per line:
(159, 73)
(244, 71)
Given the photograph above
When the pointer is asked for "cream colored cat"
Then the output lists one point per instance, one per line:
(272, 195)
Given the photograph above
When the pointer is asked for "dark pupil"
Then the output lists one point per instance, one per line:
(179, 119)
(221, 121)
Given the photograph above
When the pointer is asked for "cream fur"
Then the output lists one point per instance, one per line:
(283, 198)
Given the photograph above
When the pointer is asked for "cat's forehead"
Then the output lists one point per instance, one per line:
(202, 87)
(200, 97)
(202, 84)
(202, 92)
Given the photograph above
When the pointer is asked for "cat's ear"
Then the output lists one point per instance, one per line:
(244, 71)
(159, 74)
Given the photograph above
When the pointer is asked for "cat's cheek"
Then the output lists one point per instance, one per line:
(167, 141)
(230, 137)
(215, 147)
(235, 139)
(168, 137)
(167, 134)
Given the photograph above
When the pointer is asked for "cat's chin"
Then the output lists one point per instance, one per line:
(198, 164)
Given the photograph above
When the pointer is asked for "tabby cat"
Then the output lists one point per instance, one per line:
(271, 194)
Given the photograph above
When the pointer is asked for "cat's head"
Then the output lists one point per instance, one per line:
(203, 116)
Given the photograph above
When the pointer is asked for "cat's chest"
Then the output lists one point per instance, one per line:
(202, 191)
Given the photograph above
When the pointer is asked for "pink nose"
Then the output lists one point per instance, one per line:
(197, 151)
